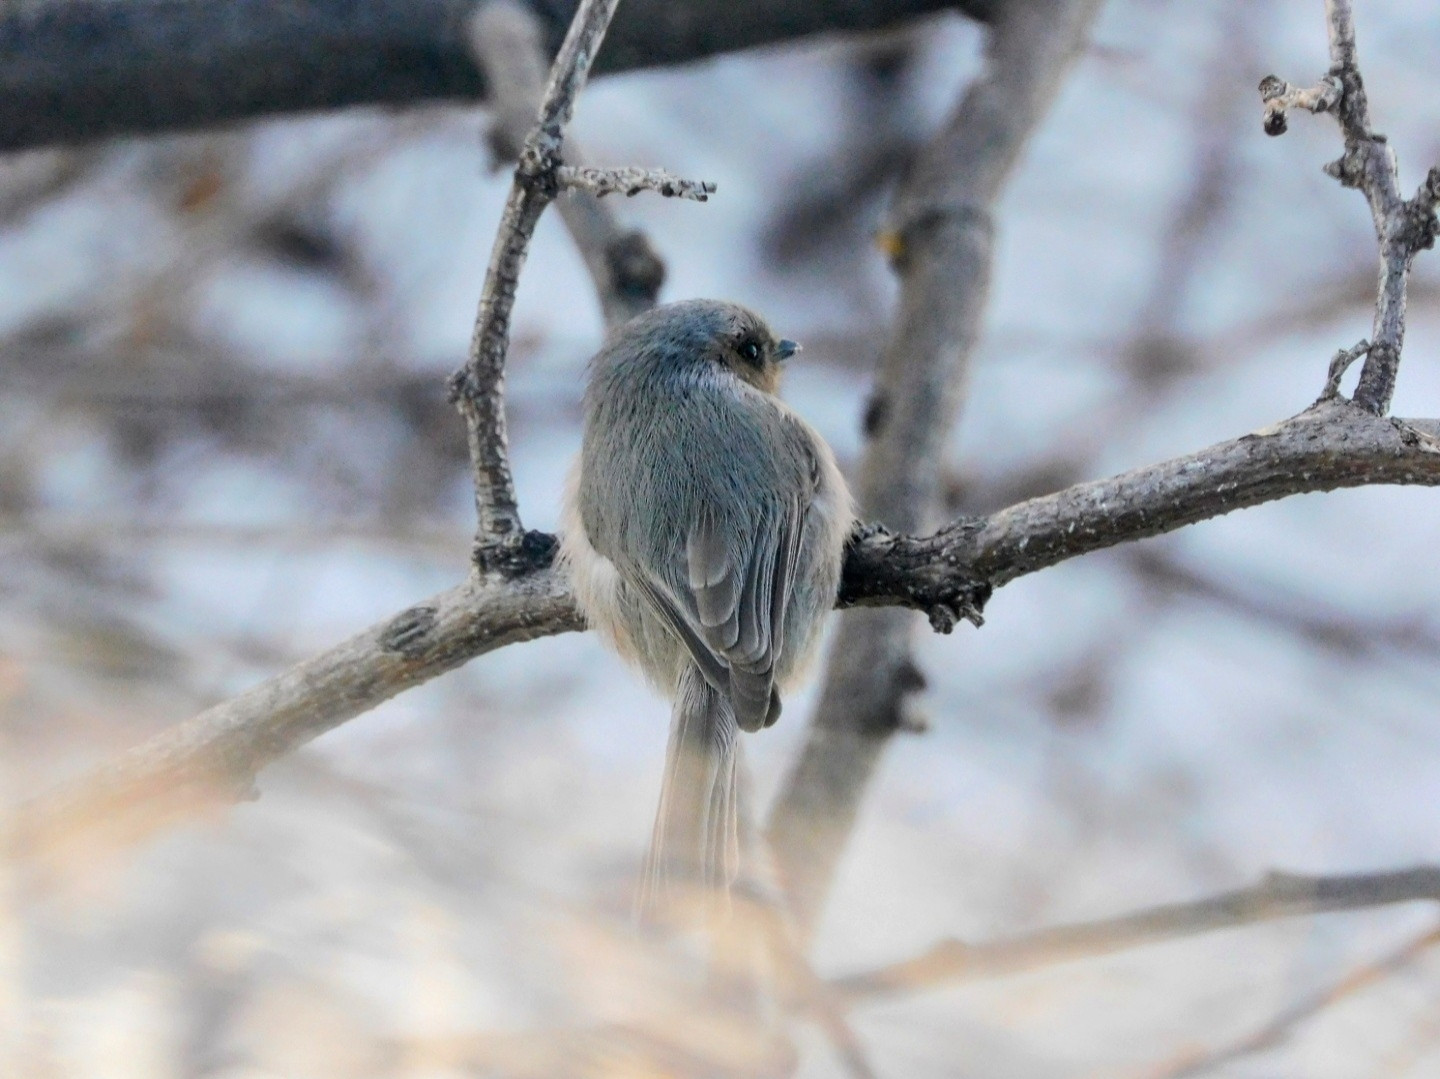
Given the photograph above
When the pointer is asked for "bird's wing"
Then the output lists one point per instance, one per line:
(727, 602)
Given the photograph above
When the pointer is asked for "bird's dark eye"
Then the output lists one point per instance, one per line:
(750, 351)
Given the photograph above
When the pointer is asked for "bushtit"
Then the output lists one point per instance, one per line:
(704, 530)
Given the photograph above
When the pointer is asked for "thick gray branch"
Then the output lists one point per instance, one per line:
(939, 236)
(80, 70)
(1332, 444)
(216, 755)
(1278, 895)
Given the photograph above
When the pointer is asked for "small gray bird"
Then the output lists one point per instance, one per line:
(705, 527)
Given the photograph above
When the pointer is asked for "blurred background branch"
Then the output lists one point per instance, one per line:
(939, 235)
(87, 69)
(1278, 895)
(1284, 1025)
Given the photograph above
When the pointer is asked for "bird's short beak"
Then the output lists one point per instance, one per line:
(786, 348)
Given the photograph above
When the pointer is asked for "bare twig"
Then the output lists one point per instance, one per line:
(1279, 96)
(507, 40)
(631, 181)
(478, 388)
(1283, 1025)
(939, 237)
(1403, 227)
(216, 755)
(1278, 895)
(1339, 364)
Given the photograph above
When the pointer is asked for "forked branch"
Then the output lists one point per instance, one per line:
(507, 41)
(1403, 227)
(478, 388)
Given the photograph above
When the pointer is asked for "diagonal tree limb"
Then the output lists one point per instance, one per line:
(1294, 455)
(1277, 895)
(214, 757)
(661, 1044)
(939, 238)
(82, 70)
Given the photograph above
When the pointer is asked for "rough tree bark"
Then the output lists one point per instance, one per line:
(1403, 227)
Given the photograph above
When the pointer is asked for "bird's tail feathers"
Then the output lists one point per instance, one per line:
(695, 849)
